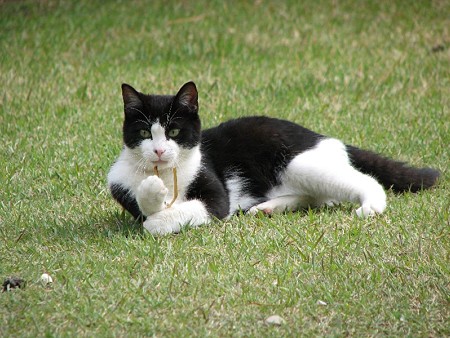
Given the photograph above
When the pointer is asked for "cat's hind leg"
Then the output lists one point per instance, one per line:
(281, 204)
(326, 175)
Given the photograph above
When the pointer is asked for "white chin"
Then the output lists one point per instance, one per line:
(162, 164)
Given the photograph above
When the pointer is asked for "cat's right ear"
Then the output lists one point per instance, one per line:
(130, 96)
(187, 96)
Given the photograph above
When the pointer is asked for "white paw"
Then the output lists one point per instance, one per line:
(372, 206)
(265, 208)
(151, 194)
(253, 211)
(152, 186)
(161, 223)
(365, 211)
(331, 203)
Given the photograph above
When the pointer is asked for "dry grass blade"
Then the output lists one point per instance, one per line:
(175, 187)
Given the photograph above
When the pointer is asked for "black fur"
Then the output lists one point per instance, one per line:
(258, 148)
(211, 191)
(127, 201)
(392, 174)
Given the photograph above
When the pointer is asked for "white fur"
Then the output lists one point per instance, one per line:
(151, 195)
(324, 175)
(190, 213)
(236, 194)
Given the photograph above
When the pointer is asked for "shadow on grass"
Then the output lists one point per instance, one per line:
(123, 224)
(80, 228)
(120, 223)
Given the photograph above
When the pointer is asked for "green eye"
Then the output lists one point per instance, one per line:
(145, 133)
(174, 132)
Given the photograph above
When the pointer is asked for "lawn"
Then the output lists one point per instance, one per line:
(375, 74)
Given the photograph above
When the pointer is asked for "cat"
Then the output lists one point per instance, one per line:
(250, 164)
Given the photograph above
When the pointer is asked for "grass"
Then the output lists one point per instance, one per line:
(375, 74)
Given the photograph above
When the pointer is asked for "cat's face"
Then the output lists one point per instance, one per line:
(161, 129)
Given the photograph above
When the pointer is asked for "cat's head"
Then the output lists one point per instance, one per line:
(161, 129)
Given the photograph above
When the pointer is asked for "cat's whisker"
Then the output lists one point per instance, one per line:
(172, 116)
(174, 119)
(145, 116)
(139, 169)
(137, 121)
(141, 165)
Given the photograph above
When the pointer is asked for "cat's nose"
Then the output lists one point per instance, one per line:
(159, 152)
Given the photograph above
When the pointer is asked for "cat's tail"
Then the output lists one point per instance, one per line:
(392, 174)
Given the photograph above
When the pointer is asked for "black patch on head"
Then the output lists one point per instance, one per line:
(178, 111)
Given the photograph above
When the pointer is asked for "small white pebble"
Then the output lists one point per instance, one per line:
(46, 279)
(274, 320)
(321, 302)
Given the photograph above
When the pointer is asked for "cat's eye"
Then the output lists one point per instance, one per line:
(145, 133)
(173, 132)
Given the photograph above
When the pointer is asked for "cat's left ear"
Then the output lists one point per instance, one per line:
(188, 96)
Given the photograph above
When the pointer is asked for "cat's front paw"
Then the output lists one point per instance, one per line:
(151, 194)
(368, 211)
(371, 207)
(162, 223)
(153, 185)
(364, 212)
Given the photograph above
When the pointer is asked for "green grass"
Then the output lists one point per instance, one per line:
(364, 72)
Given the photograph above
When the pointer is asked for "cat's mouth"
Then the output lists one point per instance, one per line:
(156, 164)
(160, 162)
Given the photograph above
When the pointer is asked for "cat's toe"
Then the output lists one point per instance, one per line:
(373, 206)
(365, 211)
(256, 209)
(331, 203)
(152, 185)
(253, 211)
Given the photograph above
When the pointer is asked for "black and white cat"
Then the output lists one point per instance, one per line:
(251, 164)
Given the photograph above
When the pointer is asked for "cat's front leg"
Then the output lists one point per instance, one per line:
(192, 213)
(150, 195)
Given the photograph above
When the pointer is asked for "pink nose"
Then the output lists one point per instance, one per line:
(159, 152)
